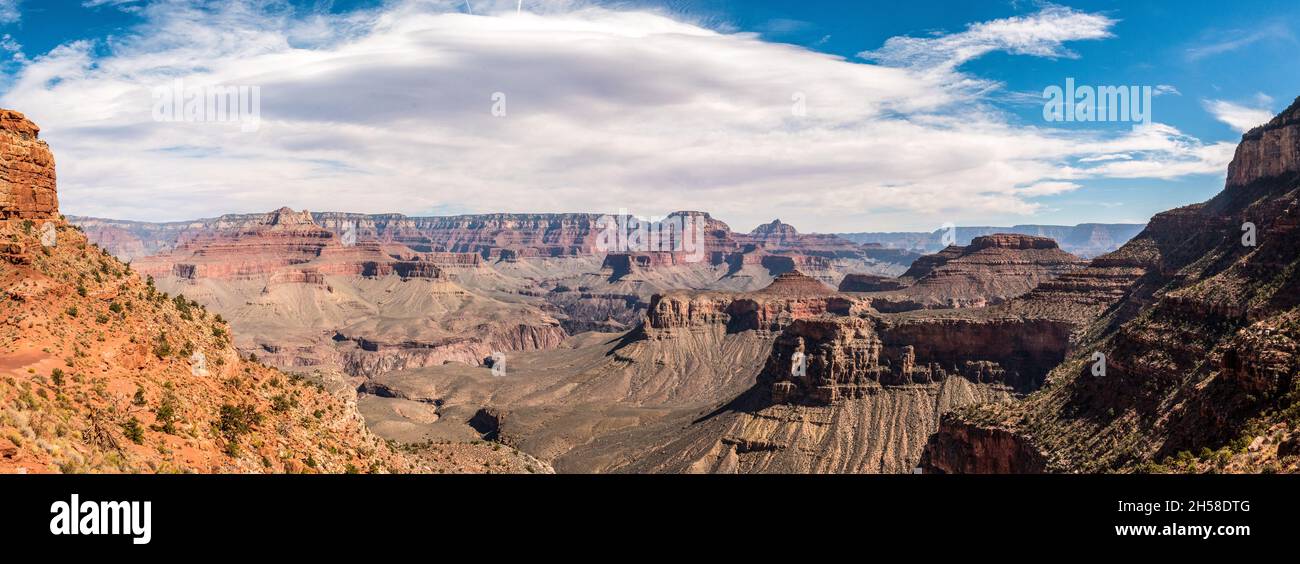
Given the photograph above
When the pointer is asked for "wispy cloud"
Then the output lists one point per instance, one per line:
(389, 109)
(10, 11)
(1042, 34)
(1241, 117)
(1234, 40)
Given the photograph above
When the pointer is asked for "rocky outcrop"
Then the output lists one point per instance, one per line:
(991, 270)
(27, 176)
(1268, 152)
(790, 297)
(823, 360)
(369, 357)
(870, 283)
(1197, 327)
(775, 234)
(962, 448)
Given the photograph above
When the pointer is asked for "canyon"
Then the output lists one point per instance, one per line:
(778, 351)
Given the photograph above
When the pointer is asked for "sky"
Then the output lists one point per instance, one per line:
(832, 116)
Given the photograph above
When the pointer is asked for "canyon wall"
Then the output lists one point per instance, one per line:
(27, 178)
(1198, 344)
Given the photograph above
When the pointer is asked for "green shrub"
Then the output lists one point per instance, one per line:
(166, 413)
(162, 348)
(282, 403)
(237, 421)
(133, 430)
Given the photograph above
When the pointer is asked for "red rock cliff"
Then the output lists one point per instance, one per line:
(26, 170)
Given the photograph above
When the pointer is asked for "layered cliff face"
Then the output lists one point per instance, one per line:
(791, 296)
(1198, 350)
(543, 259)
(301, 298)
(286, 245)
(991, 270)
(820, 361)
(26, 170)
(100, 372)
(1270, 152)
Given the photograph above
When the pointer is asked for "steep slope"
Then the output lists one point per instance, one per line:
(1200, 352)
(101, 372)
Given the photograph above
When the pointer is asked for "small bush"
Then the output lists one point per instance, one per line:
(166, 413)
(282, 403)
(162, 348)
(236, 421)
(133, 430)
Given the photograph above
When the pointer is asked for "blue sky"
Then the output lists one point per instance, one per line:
(624, 127)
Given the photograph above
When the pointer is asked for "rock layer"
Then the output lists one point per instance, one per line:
(27, 179)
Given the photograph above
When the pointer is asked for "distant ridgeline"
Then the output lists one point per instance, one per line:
(1085, 240)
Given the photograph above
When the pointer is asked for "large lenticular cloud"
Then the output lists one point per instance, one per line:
(604, 109)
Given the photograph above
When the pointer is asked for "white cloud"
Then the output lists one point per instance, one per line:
(1236, 39)
(390, 110)
(10, 11)
(1240, 117)
(1042, 34)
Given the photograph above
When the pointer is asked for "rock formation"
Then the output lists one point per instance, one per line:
(1193, 365)
(991, 270)
(26, 170)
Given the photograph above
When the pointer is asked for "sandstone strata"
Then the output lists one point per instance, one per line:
(26, 170)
